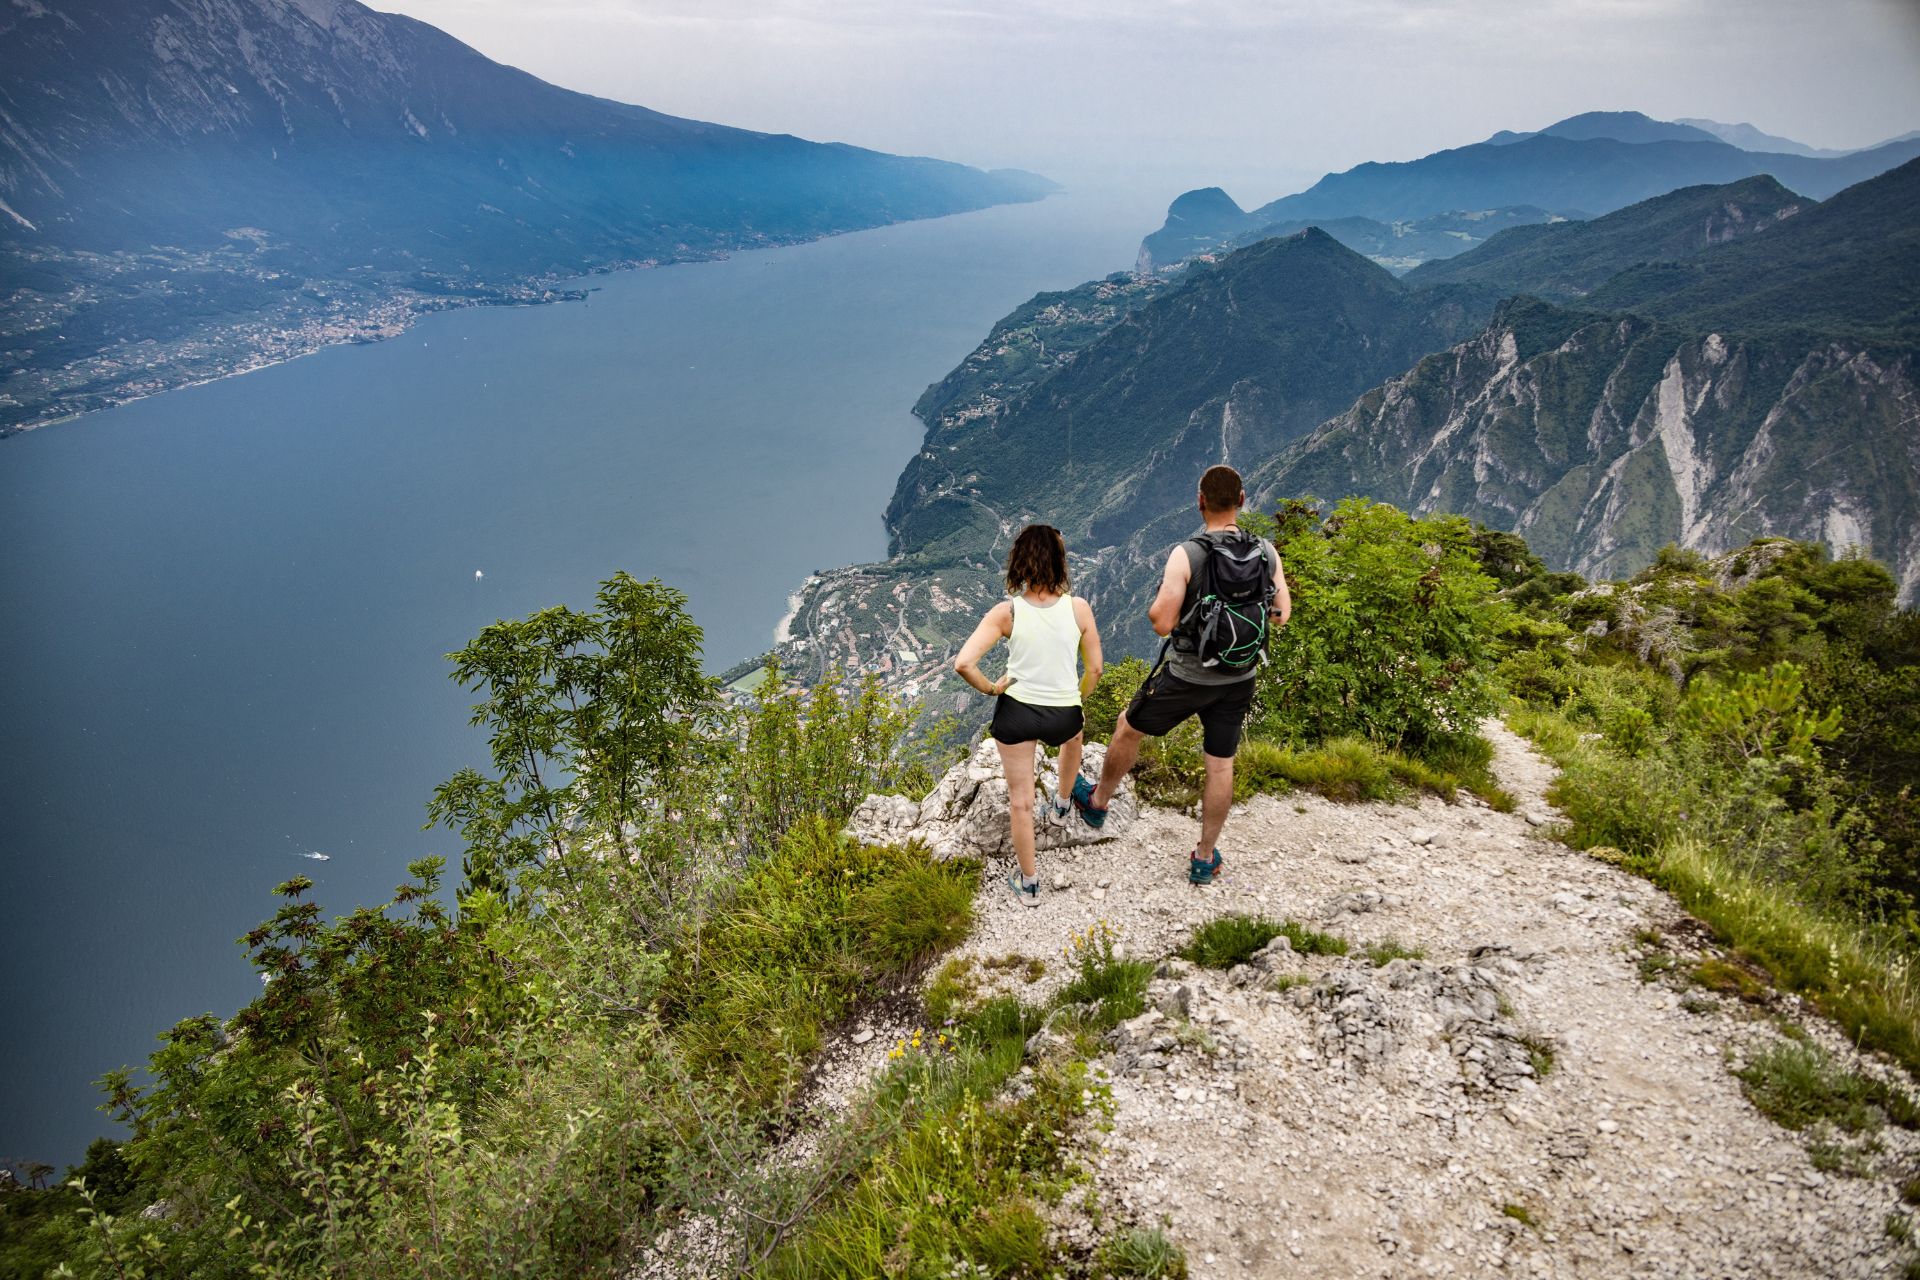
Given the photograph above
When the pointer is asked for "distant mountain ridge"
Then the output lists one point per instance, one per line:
(1569, 259)
(178, 173)
(1578, 168)
(1767, 386)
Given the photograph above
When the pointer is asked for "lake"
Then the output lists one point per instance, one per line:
(224, 610)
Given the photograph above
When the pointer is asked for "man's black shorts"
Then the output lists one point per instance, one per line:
(1166, 700)
(1015, 722)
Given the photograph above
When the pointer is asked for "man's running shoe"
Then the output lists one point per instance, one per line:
(1203, 870)
(1029, 894)
(1083, 801)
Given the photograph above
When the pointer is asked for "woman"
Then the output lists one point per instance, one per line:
(1046, 631)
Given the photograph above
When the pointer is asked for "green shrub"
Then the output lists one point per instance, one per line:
(1102, 708)
(818, 753)
(1393, 630)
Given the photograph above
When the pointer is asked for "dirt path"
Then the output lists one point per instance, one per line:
(1403, 1120)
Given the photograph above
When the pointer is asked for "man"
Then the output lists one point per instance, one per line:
(1186, 682)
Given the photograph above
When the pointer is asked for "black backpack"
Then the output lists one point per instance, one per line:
(1225, 623)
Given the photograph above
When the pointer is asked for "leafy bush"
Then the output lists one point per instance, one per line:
(1392, 635)
(819, 752)
(1118, 683)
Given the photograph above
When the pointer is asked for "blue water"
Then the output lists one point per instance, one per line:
(223, 610)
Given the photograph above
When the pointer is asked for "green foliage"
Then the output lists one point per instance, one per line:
(1754, 716)
(1102, 708)
(45, 1219)
(1392, 634)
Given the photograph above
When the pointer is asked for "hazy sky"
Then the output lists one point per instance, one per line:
(1261, 96)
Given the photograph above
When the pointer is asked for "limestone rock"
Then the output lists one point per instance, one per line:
(965, 816)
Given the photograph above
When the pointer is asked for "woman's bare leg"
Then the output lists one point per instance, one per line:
(1017, 762)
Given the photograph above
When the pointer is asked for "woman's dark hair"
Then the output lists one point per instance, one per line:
(1038, 561)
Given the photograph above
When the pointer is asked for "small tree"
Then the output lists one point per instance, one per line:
(594, 719)
(1393, 627)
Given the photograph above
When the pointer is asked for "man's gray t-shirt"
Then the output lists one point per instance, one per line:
(1186, 666)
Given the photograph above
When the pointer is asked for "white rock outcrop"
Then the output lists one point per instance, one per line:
(965, 816)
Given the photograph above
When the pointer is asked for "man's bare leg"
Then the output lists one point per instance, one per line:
(1069, 767)
(1214, 803)
(1121, 753)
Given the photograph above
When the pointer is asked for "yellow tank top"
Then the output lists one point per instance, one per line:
(1043, 653)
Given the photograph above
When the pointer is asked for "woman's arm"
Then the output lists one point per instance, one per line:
(1089, 646)
(996, 626)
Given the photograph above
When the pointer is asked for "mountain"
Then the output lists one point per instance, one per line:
(1765, 386)
(163, 159)
(1576, 168)
(1238, 360)
(1748, 138)
(1845, 268)
(1621, 126)
(1601, 439)
(1569, 259)
(1397, 246)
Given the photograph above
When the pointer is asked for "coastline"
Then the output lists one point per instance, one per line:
(783, 630)
(391, 314)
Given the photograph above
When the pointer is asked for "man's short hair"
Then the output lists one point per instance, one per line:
(1220, 490)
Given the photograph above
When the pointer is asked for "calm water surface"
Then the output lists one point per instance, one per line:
(223, 610)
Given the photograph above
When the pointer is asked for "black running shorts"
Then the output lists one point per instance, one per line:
(1166, 700)
(1015, 722)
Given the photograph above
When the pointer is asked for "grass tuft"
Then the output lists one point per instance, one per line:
(1539, 1054)
(1731, 979)
(1228, 940)
(1144, 1252)
(1388, 950)
(1116, 988)
(1798, 1085)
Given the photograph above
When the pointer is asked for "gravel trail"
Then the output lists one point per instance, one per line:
(1405, 1120)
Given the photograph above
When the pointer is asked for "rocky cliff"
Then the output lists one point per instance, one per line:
(1602, 439)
